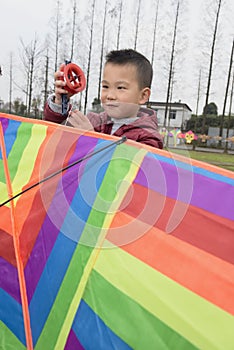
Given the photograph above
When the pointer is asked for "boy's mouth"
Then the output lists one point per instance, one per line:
(114, 105)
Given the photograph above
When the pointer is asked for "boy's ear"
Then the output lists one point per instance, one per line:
(145, 95)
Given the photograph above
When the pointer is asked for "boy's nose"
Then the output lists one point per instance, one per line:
(111, 95)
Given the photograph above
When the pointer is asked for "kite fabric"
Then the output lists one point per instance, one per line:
(131, 248)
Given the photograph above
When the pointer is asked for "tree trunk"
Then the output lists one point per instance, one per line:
(31, 70)
(73, 29)
(102, 53)
(30, 54)
(229, 113)
(46, 78)
(57, 34)
(119, 26)
(198, 99)
(226, 92)
(89, 58)
(211, 65)
(155, 31)
(11, 80)
(171, 63)
(137, 23)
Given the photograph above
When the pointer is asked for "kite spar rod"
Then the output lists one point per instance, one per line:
(89, 155)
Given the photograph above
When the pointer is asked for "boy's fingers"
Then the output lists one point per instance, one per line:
(59, 83)
(78, 114)
(58, 74)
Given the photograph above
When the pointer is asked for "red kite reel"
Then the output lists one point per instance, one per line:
(74, 78)
(75, 82)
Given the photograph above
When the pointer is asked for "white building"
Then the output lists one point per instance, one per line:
(178, 113)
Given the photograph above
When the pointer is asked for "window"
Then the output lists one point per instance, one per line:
(172, 114)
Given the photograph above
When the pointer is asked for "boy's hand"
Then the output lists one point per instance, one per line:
(79, 120)
(59, 85)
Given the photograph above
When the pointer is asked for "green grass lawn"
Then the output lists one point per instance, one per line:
(220, 159)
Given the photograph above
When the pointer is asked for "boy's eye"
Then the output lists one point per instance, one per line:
(104, 86)
(121, 87)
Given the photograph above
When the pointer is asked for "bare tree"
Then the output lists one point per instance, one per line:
(90, 54)
(73, 28)
(29, 56)
(230, 112)
(155, 31)
(102, 52)
(58, 26)
(226, 92)
(11, 81)
(169, 105)
(211, 63)
(119, 25)
(171, 61)
(46, 78)
(198, 100)
(137, 23)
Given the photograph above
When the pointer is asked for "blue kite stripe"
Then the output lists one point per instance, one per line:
(73, 225)
(192, 168)
(12, 316)
(85, 196)
(49, 283)
(88, 326)
(55, 216)
(11, 134)
(57, 212)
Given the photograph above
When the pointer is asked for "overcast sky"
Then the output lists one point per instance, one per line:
(24, 18)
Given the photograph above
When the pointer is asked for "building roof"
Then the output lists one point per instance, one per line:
(170, 104)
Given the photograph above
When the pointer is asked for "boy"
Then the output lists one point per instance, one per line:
(126, 83)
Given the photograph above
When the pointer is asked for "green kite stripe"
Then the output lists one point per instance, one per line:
(22, 157)
(205, 322)
(29, 154)
(2, 172)
(110, 196)
(3, 191)
(22, 138)
(121, 170)
(8, 340)
(138, 328)
(62, 314)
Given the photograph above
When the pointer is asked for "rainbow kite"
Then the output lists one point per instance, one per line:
(111, 246)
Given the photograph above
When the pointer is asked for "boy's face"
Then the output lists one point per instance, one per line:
(121, 94)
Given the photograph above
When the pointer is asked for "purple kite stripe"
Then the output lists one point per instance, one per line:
(9, 281)
(5, 123)
(72, 342)
(42, 249)
(178, 183)
(68, 192)
(215, 197)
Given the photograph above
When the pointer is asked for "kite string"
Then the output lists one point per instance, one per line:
(89, 155)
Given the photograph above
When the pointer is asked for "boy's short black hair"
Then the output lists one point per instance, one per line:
(142, 64)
